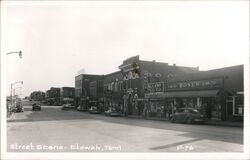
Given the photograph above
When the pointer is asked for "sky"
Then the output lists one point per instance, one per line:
(57, 41)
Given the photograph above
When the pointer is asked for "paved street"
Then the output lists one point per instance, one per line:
(55, 130)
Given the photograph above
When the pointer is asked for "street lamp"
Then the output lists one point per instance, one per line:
(16, 95)
(20, 53)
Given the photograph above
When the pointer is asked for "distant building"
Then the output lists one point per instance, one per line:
(53, 96)
(82, 90)
(67, 95)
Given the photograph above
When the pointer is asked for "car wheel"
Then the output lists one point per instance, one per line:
(189, 121)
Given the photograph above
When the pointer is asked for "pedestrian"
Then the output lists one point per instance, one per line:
(169, 111)
(126, 110)
(162, 111)
(165, 111)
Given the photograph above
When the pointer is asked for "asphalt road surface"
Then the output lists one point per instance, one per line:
(55, 130)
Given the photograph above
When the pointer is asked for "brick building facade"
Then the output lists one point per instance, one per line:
(84, 86)
(148, 88)
(218, 93)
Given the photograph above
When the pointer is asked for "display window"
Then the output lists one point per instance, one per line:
(238, 109)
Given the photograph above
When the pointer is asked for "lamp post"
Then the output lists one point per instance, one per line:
(12, 84)
(15, 90)
(20, 56)
(20, 53)
(16, 95)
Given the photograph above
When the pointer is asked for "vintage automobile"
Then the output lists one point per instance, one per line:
(36, 106)
(68, 106)
(19, 108)
(188, 115)
(112, 112)
(94, 110)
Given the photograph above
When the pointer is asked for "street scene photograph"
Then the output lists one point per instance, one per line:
(168, 78)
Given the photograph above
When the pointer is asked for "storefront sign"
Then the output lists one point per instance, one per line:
(155, 87)
(212, 83)
(130, 75)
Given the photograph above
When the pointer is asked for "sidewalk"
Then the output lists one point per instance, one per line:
(11, 117)
(210, 122)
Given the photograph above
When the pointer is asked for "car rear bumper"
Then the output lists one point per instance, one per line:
(36, 109)
(199, 120)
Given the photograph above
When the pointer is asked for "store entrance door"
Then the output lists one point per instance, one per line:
(229, 110)
(130, 104)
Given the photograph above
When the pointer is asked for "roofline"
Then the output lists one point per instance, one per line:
(225, 67)
(165, 63)
(97, 75)
(112, 73)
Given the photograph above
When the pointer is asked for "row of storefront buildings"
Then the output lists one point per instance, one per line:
(154, 89)
(55, 96)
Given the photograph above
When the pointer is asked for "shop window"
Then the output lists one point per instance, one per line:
(238, 109)
(116, 87)
(124, 85)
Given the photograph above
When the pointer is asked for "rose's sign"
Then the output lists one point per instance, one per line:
(204, 84)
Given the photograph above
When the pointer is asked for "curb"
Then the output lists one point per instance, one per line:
(208, 123)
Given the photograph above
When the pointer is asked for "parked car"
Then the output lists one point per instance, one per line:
(36, 106)
(81, 109)
(112, 112)
(93, 109)
(19, 108)
(68, 106)
(188, 115)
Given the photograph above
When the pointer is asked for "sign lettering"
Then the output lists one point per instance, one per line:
(213, 83)
(155, 87)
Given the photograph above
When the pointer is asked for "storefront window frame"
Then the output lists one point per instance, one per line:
(234, 107)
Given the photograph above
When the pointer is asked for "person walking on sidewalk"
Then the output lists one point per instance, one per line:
(169, 110)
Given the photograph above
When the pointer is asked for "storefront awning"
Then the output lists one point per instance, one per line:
(203, 93)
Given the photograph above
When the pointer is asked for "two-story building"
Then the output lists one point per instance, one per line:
(82, 89)
(67, 95)
(138, 74)
(113, 90)
(53, 96)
